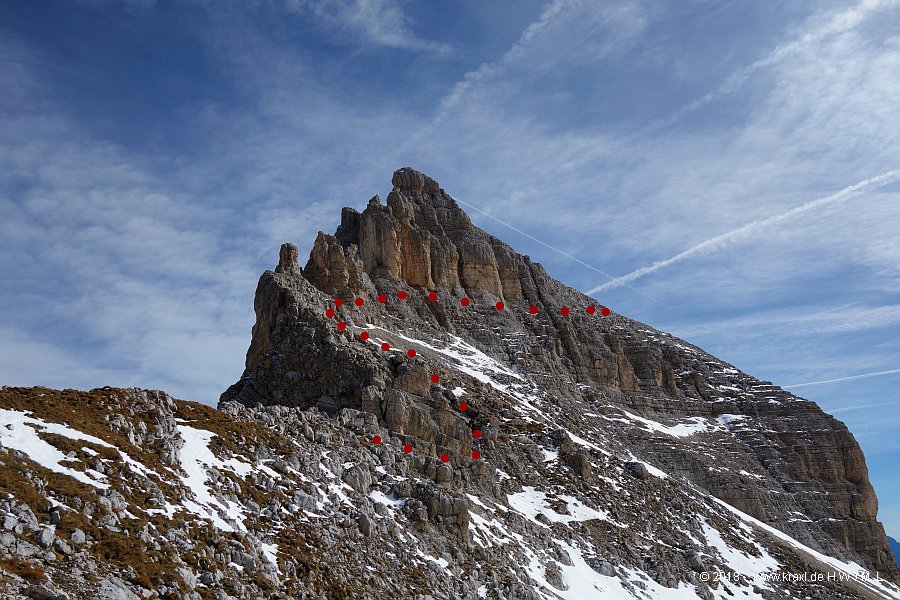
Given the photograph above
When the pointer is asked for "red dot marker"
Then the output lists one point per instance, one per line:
(338, 302)
(500, 306)
(411, 353)
(407, 448)
(382, 298)
(401, 295)
(476, 454)
(364, 335)
(591, 310)
(463, 406)
(445, 458)
(604, 311)
(432, 296)
(376, 439)
(329, 313)
(359, 302)
(342, 326)
(533, 310)
(435, 378)
(564, 311)
(385, 346)
(464, 301)
(476, 434)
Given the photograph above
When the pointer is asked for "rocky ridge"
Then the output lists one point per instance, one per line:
(616, 461)
(151, 497)
(771, 454)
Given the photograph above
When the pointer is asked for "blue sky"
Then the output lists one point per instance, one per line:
(153, 156)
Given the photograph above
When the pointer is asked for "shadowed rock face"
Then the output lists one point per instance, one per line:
(763, 450)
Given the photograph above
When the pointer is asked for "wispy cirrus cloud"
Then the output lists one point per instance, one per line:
(813, 32)
(118, 270)
(722, 240)
(567, 33)
(808, 321)
(380, 23)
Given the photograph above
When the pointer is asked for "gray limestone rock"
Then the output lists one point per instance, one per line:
(78, 537)
(45, 537)
(62, 547)
(45, 591)
(421, 240)
(638, 469)
(287, 260)
(113, 588)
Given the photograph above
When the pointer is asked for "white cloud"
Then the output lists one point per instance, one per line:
(115, 275)
(567, 33)
(813, 32)
(26, 361)
(377, 22)
(819, 123)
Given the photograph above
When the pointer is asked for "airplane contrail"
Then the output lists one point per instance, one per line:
(714, 243)
(849, 378)
(554, 248)
(861, 406)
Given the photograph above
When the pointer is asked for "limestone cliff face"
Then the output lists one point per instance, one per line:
(422, 238)
(766, 452)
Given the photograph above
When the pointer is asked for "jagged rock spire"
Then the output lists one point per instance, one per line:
(287, 260)
(408, 179)
(422, 238)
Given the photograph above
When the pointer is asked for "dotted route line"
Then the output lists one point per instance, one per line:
(411, 353)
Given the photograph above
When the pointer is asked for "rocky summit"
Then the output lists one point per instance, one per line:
(427, 414)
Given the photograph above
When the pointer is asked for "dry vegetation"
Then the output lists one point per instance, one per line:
(22, 568)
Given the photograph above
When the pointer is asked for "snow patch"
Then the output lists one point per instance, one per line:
(477, 500)
(852, 570)
(464, 357)
(490, 532)
(693, 426)
(196, 459)
(583, 442)
(730, 421)
(20, 432)
(585, 582)
(752, 568)
(382, 498)
(531, 502)
(271, 553)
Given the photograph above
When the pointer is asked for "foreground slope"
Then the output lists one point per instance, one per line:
(131, 494)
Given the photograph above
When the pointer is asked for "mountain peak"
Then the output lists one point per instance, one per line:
(408, 179)
(420, 238)
(563, 394)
